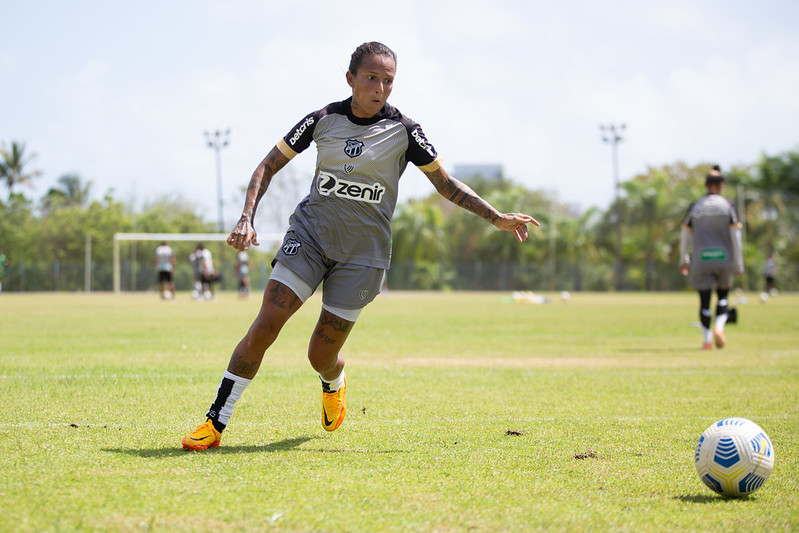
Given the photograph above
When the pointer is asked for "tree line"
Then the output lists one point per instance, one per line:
(436, 246)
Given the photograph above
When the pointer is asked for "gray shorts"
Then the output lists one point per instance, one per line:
(345, 286)
(705, 277)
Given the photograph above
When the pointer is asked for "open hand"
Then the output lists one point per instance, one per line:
(517, 223)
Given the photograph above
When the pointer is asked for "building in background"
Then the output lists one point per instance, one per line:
(475, 172)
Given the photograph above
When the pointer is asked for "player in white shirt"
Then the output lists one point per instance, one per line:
(204, 272)
(165, 264)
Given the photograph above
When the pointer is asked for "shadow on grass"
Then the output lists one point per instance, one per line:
(284, 445)
(279, 446)
(707, 498)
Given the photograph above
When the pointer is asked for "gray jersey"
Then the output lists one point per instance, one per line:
(354, 191)
(709, 220)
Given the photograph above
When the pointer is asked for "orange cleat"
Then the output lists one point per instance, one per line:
(204, 437)
(718, 338)
(334, 407)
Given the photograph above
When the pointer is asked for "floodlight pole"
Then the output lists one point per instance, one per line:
(612, 135)
(217, 141)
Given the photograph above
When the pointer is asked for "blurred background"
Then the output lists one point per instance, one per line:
(599, 120)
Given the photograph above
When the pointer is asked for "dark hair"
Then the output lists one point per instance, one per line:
(367, 49)
(714, 176)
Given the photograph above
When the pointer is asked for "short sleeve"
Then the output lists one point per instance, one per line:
(301, 135)
(420, 151)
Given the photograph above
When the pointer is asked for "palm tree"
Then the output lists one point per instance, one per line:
(419, 244)
(72, 193)
(777, 176)
(13, 163)
(577, 236)
(655, 202)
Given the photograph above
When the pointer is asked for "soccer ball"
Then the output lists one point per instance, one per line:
(734, 457)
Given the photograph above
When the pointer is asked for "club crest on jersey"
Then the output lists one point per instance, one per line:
(291, 246)
(353, 148)
(331, 185)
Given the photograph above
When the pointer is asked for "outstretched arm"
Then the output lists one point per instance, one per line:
(462, 195)
(244, 233)
(737, 248)
(686, 244)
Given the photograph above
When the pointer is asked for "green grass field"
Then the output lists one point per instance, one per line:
(604, 398)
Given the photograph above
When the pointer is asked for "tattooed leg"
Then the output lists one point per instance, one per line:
(278, 305)
(328, 339)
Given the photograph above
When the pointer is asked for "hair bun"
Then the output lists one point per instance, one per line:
(714, 176)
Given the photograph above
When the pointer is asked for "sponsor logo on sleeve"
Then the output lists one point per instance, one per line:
(330, 185)
(300, 130)
(422, 142)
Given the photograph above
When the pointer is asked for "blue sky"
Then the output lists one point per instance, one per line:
(121, 92)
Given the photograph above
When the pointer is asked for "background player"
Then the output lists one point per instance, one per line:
(243, 273)
(770, 275)
(710, 249)
(340, 233)
(165, 263)
(204, 273)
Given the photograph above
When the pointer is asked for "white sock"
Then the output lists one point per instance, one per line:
(707, 334)
(334, 385)
(721, 321)
(230, 389)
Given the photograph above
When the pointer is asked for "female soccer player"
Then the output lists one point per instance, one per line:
(711, 252)
(339, 234)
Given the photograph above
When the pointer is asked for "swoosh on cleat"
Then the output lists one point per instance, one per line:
(198, 440)
(327, 422)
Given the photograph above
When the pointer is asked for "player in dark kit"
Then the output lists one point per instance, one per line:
(340, 234)
(710, 249)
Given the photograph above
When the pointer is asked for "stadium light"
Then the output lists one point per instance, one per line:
(612, 135)
(217, 141)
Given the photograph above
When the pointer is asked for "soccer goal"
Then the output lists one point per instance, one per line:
(265, 239)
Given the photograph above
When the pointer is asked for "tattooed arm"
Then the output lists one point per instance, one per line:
(462, 195)
(244, 233)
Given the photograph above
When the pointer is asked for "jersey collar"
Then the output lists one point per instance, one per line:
(365, 121)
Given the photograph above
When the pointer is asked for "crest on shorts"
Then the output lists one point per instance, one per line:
(291, 246)
(353, 148)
